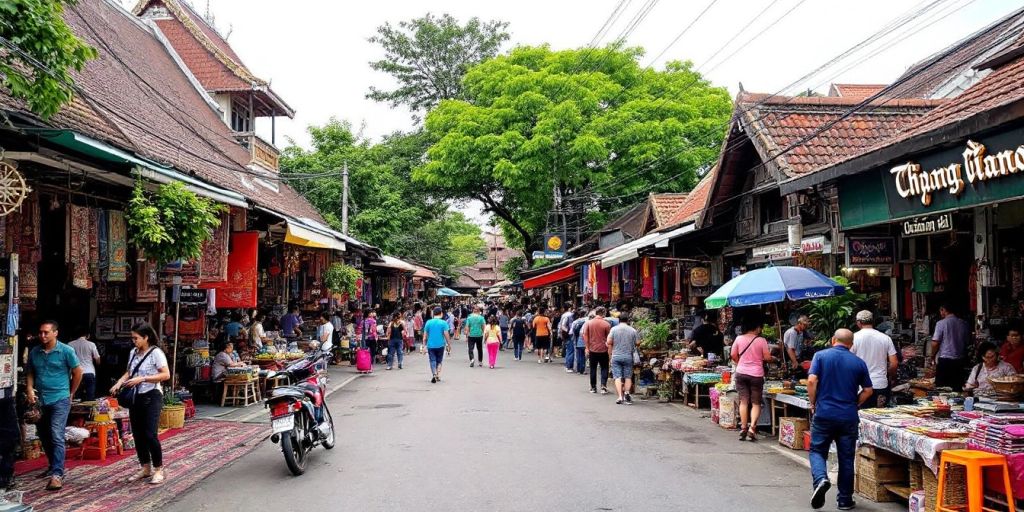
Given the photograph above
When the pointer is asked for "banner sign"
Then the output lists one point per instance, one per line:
(186, 295)
(870, 251)
(927, 225)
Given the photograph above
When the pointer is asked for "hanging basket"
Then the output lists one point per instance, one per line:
(172, 416)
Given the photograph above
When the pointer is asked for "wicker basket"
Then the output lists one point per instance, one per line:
(956, 485)
(172, 416)
(1008, 387)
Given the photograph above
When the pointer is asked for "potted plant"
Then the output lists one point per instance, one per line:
(665, 391)
(173, 413)
(171, 223)
(341, 278)
(653, 337)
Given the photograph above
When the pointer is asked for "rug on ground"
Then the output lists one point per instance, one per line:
(202, 448)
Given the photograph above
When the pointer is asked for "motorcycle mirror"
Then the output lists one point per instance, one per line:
(271, 374)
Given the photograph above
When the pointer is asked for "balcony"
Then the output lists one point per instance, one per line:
(775, 228)
(261, 152)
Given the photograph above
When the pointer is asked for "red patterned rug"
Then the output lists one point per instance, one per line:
(201, 448)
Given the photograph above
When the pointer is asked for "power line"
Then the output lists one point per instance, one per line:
(684, 31)
(759, 34)
(737, 34)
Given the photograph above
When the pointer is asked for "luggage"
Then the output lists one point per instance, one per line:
(364, 361)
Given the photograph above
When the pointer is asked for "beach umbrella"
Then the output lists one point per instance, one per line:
(448, 292)
(773, 284)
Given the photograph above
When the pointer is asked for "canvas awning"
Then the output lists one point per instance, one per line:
(556, 276)
(298, 234)
(393, 263)
(631, 250)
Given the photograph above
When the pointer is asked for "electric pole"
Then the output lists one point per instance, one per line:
(344, 199)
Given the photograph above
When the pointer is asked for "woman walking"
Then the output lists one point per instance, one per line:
(492, 337)
(542, 335)
(518, 329)
(408, 330)
(395, 341)
(147, 368)
(750, 351)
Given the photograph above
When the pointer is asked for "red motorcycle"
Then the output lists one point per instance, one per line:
(298, 412)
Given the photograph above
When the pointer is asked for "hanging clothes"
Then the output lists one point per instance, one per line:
(616, 290)
(213, 267)
(118, 247)
(78, 256)
(647, 278)
(239, 291)
(103, 244)
(604, 285)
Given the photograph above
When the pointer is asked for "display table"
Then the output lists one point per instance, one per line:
(696, 388)
(780, 402)
(907, 444)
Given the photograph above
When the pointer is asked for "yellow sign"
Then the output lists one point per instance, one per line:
(554, 243)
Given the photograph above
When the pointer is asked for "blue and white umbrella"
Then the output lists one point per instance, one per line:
(773, 284)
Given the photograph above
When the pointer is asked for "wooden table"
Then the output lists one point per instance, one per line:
(781, 402)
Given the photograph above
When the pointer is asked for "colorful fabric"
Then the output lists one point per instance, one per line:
(239, 291)
(94, 244)
(906, 443)
(117, 247)
(78, 249)
(103, 243)
(30, 253)
(213, 266)
(647, 278)
(147, 287)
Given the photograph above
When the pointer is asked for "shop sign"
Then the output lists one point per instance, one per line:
(554, 245)
(699, 277)
(186, 295)
(810, 245)
(815, 244)
(870, 251)
(977, 167)
(927, 225)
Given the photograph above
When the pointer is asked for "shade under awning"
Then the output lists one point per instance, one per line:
(297, 234)
(631, 251)
(556, 276)
(393, 263)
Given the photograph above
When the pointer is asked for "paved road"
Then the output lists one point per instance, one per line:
(522, 437)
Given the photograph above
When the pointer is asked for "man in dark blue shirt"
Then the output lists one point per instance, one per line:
(838, 383)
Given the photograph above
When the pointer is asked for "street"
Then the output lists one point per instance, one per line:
(523, 436)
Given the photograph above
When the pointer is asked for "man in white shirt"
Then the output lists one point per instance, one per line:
(89, 358)
(877, 350)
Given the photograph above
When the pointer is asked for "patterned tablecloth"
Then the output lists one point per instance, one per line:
(906, 443)
(792, 400)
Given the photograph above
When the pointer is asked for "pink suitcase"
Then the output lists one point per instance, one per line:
(364, 362)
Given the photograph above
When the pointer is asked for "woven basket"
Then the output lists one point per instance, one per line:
(956, 485)
(1008, 387)
(172, 416)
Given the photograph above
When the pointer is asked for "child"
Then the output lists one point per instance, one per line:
(492, 337)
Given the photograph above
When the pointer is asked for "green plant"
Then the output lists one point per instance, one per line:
(171, 399)
(770, 332)
(653, 336)
(831, 313)
(665, 390)
(171, 223)
(342, 278)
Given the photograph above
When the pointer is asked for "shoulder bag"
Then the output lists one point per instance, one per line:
(126, 396)
(744, 351)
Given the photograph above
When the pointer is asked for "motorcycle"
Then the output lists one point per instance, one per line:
(299, 415)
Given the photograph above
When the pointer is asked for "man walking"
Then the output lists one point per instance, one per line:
(568, 348)
(89, 358)
(621, 343)
(794, 339)
(474, 328)
(579, 346)
(838, 383)
(436, 338)
(877, 351)
(595, 337)
(949, 353)
(542, 335)
(54, 375)
(503, 325)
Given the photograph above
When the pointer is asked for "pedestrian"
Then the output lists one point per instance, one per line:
(89, 358)
(325, 332)
(750, 351)
(542, 335)
(339, 327)
(436, 338)
(794, 338)
(518, 330)
(989, 367)
(370, 333)
(492, 338)
(1012, 350)
(396, 341)
(579, 346)
(147, 368)
(503, 325)
(837, 384)
(878, 352)
(564, 323)
(949, 349)
(54, 371)
(408, 331)
(474, 329)
(595, 336)
(622, 343)
(528, 316)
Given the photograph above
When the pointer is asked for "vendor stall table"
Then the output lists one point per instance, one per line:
(907, 444)
(696, 388)
(781, 403)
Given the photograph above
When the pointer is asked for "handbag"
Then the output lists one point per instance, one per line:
(126, 396)
(744, 351)
(636, 356)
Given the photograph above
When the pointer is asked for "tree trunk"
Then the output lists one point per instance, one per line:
(528, 239)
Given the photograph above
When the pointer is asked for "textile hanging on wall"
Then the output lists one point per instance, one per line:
(647, 278)
(78, 249)
(604, 285)
(103, 243)
(29, 251)
(147, 285)
(117, 247)
(627, 278)
(213, 266)
(94, 244)
(592, 280)
(239, 291)
(239, 219)
(615, 290)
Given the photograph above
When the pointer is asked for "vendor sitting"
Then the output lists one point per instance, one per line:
(226, 358)
(989, 367)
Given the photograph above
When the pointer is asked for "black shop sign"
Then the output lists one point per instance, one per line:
(870, 251)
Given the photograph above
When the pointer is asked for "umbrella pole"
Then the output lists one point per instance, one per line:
(778, 329)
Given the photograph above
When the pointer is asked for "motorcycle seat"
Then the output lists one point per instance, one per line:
(313, 391)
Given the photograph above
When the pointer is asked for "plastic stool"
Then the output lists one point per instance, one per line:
(974, 461)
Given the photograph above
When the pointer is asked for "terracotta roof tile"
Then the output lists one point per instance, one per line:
(855, 90)
(664, 206)
(207, 69)
(779, 122)
(695, 201)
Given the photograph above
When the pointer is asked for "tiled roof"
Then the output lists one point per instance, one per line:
(465, 282)
(778, 122)
(943, 67)
(664, 206)
(211, 73)
(855, 90)
(167, 120)
(695, 201)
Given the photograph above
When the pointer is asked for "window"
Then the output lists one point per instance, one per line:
(241, 118)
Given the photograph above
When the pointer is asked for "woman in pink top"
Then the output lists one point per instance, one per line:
(750, 351)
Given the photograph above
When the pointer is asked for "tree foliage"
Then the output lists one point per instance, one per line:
(590, 122)
(42, 78)
(428, 57)
(386, 209)
(172, 223)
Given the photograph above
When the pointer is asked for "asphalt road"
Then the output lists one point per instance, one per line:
(521, 437)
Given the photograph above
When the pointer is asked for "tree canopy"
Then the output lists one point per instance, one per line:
(590, 122)
(428, 57)
(386, 209)
(42, 76)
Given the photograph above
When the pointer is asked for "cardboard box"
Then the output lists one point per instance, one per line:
(791, 432)
(917, 502)
(882, 473)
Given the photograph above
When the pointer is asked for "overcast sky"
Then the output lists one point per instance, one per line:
(316, 52)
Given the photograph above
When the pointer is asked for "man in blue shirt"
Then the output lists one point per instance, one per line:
(53, 372)
(291, 324)
(949, 349)
(436, 338)
(838, 383)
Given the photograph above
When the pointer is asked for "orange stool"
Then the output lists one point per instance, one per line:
(102, 430)
(975, 462)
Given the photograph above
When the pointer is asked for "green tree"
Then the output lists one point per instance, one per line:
(591, 123)
(42, 75)
(428, 57)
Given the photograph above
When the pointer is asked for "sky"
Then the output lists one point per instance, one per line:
(316, 53)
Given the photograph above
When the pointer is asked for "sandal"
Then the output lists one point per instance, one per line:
(145, 472)
(743, 434)
(751, 435)
(158, 477)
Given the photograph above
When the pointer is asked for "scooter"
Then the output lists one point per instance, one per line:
(299, 415)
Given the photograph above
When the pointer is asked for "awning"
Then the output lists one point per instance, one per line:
(631, 250)
(146, 168)
(556, 276)
(300, 235)
(424, 273)
(393, 263)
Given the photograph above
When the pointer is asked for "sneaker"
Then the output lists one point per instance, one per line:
(472, 364)
(539, 361)
(433, 380)
(818, 496)
(399, 367)
(568, 370)
(629, 398)
(593, 390)
(492, 366)
(604, 391)
(628, 401)
(848, 506)
(388, 368)
(56, 483)
(618, 402)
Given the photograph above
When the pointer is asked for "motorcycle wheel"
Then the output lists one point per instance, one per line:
(294, 452)
(329, 442)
